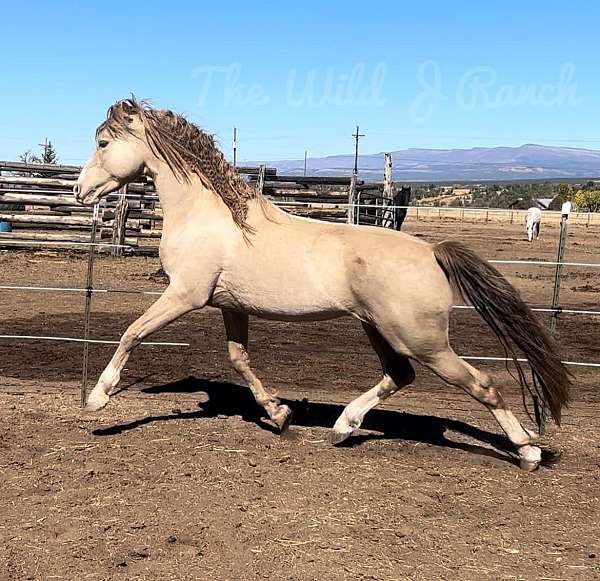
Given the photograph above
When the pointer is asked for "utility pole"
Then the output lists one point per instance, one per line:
(45, 146)
(305, 154)
(356, 136)
(234, 146)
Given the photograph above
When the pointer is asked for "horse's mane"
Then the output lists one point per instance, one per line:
(186, 149)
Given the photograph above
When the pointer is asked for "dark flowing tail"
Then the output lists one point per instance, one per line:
(500, 305)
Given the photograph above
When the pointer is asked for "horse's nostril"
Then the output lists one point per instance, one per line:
(76, 189)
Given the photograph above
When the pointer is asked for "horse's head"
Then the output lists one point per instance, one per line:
(120, 154)
(136, 138)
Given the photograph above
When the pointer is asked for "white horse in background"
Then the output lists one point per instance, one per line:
(225, 245)
(532, 223)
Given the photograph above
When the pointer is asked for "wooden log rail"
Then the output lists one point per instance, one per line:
(37, 200)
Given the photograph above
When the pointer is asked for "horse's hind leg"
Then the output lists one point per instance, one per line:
(236, 328)
(397, 372)
(451, 368)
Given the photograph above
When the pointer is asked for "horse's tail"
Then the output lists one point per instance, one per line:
(500, 305)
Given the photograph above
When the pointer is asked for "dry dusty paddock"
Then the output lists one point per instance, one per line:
(180, 479)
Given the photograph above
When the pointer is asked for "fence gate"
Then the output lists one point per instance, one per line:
(376, 209)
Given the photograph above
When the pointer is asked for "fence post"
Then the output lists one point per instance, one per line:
(88, 303)
(260, 181)
(564, 221)
(388, 192)
(540, 412)
(120, 223)
(352, 211)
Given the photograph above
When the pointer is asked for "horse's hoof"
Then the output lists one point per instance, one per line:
(529, 458)
(528, 465)
(336, 438)
(96, 402)
(283, 418)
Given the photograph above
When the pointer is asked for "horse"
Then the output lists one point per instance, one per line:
(224, 245)
(532, 223)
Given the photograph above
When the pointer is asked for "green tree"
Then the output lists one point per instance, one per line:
(566, 191)
(49, 156)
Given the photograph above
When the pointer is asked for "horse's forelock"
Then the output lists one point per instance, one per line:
(119, 117)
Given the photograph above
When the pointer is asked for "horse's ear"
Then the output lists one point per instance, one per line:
(129, 107)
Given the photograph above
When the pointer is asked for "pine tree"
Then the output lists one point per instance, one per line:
(49, 155)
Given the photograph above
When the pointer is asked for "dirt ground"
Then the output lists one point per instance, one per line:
(180, 477)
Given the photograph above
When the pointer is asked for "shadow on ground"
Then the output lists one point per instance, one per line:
(228, 399)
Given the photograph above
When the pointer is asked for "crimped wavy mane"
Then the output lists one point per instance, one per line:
(500, 305)
(186, 149)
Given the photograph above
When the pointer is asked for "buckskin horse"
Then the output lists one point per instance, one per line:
(226, 246)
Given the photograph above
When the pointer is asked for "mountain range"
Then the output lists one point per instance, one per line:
(527, 162)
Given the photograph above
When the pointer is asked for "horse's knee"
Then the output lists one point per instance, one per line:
(130, 339)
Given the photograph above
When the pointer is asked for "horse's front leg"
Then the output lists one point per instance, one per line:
(170, 306)
(236, 328)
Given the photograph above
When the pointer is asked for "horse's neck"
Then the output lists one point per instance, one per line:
(191, 203)
(182, 201)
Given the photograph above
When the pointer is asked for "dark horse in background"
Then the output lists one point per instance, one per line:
(372, 208)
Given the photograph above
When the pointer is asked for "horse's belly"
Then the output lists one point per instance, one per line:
(276, 306)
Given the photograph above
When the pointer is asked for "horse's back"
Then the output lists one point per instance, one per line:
(308, 269)
(534, 214)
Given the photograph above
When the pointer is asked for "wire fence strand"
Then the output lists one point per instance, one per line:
(320, 205)
(99, 341)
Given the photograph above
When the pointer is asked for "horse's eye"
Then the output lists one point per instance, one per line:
(102, 143)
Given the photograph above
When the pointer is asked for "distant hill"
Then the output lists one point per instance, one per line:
(480, 163)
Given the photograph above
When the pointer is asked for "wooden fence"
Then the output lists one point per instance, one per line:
(37, 201)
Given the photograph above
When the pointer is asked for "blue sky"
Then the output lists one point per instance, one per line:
(300, 76)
